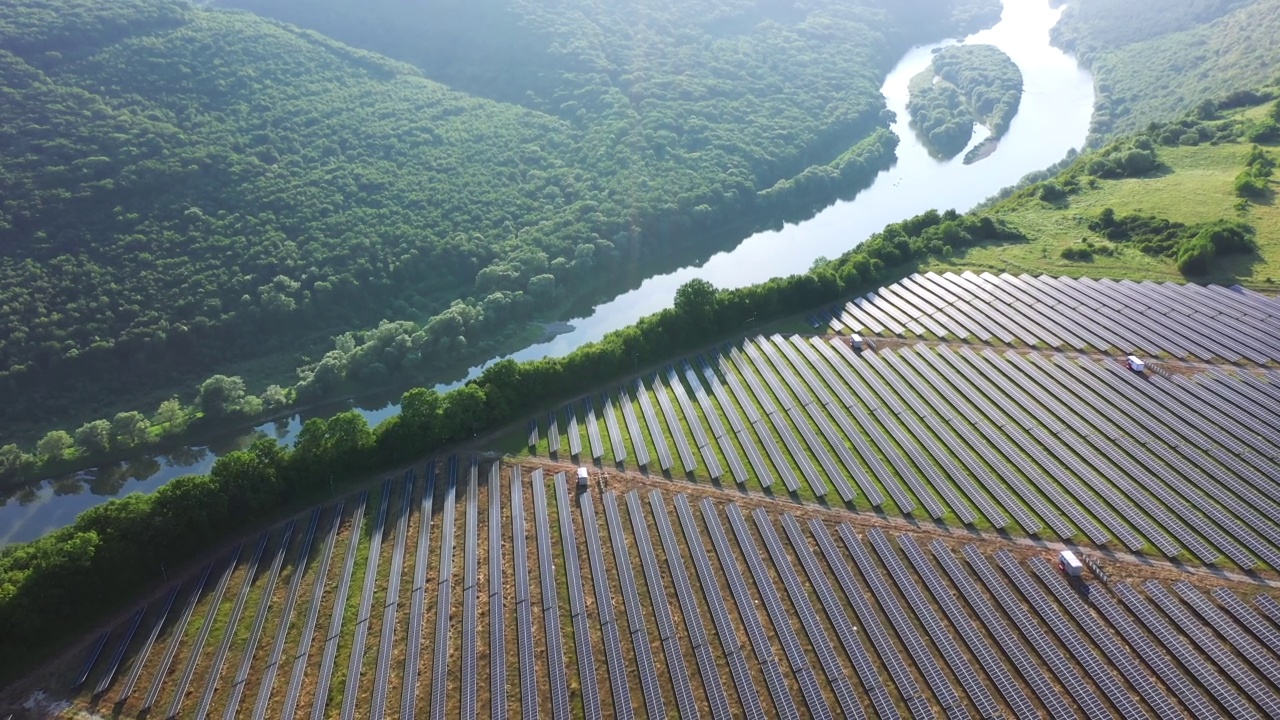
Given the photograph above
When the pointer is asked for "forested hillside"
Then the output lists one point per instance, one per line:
(1156, 59)
(190, 187)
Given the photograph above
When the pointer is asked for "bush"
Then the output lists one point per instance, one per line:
(1250, 186)
(1051, 192)
(1252, 182)
(1216, 239)
(1133, 158)
(1267, 131)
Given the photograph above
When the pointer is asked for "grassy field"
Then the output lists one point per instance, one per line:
(1196, 188)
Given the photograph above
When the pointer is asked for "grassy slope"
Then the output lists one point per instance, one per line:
(1196, 189)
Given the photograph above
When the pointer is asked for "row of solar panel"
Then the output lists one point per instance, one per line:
(1183, 321)
(851, 419)
(1102, 661)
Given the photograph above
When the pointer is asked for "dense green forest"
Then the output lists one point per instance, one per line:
(185, 188)
(964, 84)
(1156, 59)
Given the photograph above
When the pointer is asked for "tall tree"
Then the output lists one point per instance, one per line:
(94, 437)
(54, 445)
(220, 396)
(130, 429)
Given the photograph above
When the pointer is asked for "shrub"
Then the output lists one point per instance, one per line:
(1267, 131)
(1052, 192)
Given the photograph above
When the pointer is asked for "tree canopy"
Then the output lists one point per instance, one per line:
(964, 84)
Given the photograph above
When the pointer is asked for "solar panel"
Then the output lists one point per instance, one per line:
(633, 428)
(671, 646)
(604, 606)
(1186, 691)
(356, 658)
(593, 430)
(525, 652)
(778, 614)
(704, 400)
(691, 416)
(697, 633)
(1224, 659)
(917, 703)
(655, 430)
(635, 614)
(444, 593)
(1231, 632)
(1121, 658)
(237, 609)
(313, 613)
(1071, 639)
(176, 636)
(184, 681)
(90, 660)
(1030, 631)
(260, 618)
(916, 646)
(783, 703)
(840, 685)
(990, 662)
(132, 680)
(1008, 641)
(497, 604)
(748, 697)
(553, 433)
(937, 409)
(556, 672)
(467, 670)
(114, 663)
(687, 460)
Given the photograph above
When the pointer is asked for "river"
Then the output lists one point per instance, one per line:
(1054, 117)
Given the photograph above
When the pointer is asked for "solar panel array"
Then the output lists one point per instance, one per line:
(260, 616)
(550, 606)
(391, 608)
(497, 602)
(650, 685)
(355, 663)
(444, 596)
(577, 600)
(309, 627)
(470, 579)
(726, 615)
(1186, 322)
(1061, 446)
(237, 609)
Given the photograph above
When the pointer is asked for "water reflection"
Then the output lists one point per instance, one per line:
(1054, 117)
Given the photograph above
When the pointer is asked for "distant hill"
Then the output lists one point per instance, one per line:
(1156, 59)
